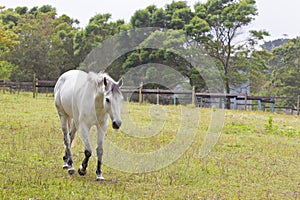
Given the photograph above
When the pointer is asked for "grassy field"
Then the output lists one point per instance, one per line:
(256, 157)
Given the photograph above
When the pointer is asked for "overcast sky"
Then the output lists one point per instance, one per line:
(278, 17)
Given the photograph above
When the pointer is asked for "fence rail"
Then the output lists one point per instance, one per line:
(238, 101)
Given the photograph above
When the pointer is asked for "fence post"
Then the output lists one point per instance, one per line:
(260, 103)
(234, 103)
(140, 93)
(272, 104)
(157, 96)
(175, 99)
(4, 87)
(19, 88)
(221, 103)
(298, 105)
(34, 86)
(193, 95)
(246, 101)
(201, 102)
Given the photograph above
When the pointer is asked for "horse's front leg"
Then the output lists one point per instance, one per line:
(88, 152)
(101, 133)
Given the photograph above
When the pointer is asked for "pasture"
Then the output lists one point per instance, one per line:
(256, 157)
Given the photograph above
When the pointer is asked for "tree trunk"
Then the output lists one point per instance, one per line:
(227, 101)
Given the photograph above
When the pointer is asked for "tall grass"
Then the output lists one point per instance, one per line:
(257, 157)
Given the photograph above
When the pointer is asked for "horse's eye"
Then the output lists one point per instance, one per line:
(107, 100)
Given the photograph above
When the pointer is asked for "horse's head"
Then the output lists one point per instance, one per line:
(112, 100)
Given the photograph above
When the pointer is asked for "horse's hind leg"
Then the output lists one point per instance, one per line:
(68, 162)
(66, 156)
(72, 128)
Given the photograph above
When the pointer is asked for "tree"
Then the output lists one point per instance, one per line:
(5, 69)
(175, 16)
(9, 18)
(34, 44)
(169, 53)
(98, 29)
(286, 68)
(8, 40)
(45, 42)
(21, 10)
(61, 55)
(158, 18)
(49, 45)
(215, 26)
(141, 18)
(178, 14)
(260, 72)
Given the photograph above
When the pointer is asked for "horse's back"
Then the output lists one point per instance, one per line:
(66, 89)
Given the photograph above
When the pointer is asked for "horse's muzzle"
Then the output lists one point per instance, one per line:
(116, 124)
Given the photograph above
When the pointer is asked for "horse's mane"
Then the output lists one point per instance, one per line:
(95, 79)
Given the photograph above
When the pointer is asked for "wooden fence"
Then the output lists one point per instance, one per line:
(162, 96)
(16, 87)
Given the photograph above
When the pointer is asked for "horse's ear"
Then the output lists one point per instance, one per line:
(120, 82)
(105, 81)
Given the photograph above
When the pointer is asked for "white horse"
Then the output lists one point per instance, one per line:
(83, 100)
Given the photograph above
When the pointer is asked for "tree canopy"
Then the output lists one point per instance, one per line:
(286, 69)
(38, 41)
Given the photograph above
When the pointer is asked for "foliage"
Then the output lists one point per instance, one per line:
(272, 128)
(98, 29)
(216, 25)
(286, 69)
(5, 69)
(8, 40)
(213, 26)
(37, 41)
(45, 43)
(167, 55)
(260, 74)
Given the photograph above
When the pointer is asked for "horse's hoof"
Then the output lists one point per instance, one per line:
(81, 172)
(66, 166)
(100, 178)
(71, 171)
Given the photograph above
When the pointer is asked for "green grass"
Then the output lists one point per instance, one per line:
(256, 157)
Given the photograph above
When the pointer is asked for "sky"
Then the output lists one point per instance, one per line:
(278, 17)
